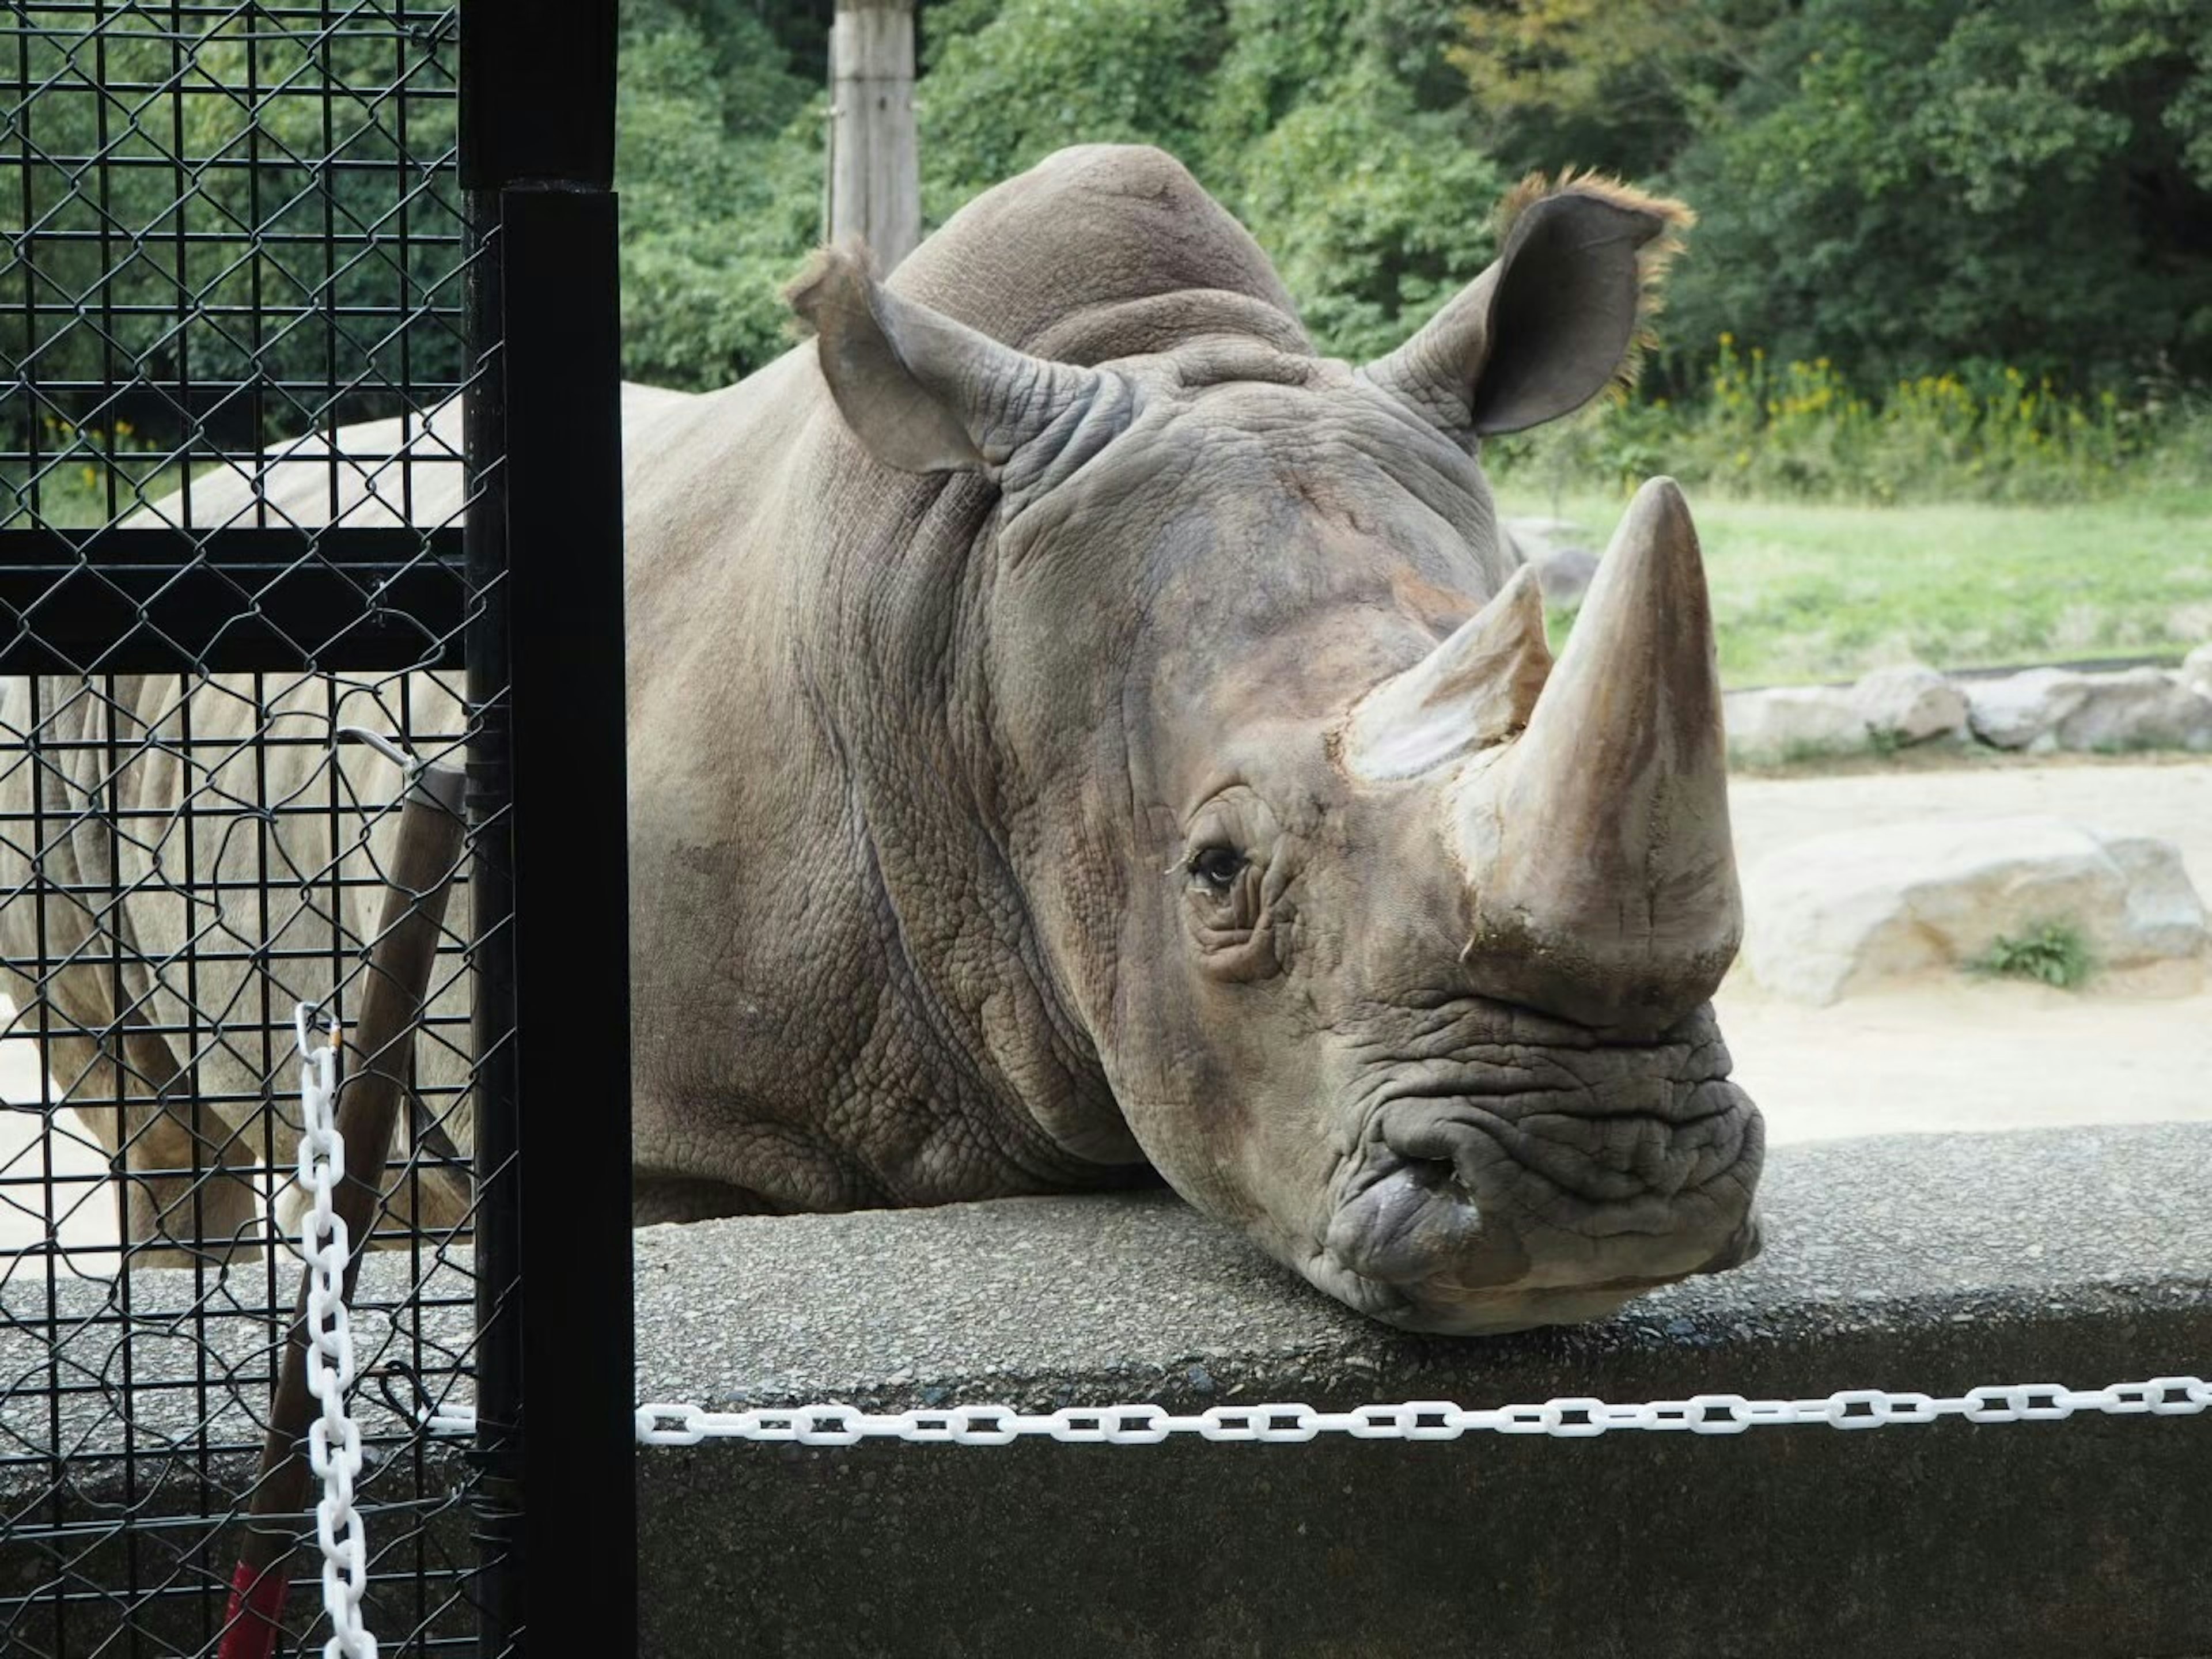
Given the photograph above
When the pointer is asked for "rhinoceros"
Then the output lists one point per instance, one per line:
(1081, 736)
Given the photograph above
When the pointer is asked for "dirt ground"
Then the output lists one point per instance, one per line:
(1955, 1052)
(1945, 1054)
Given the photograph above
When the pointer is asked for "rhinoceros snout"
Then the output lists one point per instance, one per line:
(1459, 1223)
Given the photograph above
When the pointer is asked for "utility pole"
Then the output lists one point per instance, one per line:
(875, 179)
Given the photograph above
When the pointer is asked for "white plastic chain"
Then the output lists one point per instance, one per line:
(333, 1438)
(1416, 1420)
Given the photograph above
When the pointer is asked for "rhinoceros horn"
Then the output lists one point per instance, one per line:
(1597, 845)
(1476, 688)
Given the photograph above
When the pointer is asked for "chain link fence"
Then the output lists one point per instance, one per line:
(241, 307)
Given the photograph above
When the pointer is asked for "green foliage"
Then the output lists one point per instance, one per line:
(1005, 91)
(137, 199)
(1893, 184)
(1374, 215)
(1625, 84)
(158, 237)
(1898, 185)
(1900, 198)
(1906, 188)
(1307, 118)
(2053, 952)
(719, 161)
(1801, 431)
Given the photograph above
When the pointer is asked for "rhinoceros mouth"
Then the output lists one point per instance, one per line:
(1530, 1184)
(1443, 1309)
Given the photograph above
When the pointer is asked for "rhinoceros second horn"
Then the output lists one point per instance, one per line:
(1476, 688)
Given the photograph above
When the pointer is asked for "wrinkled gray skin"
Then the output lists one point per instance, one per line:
(1003, 817)
(951, 672)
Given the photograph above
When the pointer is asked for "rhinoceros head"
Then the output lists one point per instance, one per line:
(1392, 936)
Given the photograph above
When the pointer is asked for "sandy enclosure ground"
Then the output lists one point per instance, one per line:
(1956, 1053)
(1945, 1054)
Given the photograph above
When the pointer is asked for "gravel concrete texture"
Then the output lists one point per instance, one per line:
(185, 1359)
(1931, 1263)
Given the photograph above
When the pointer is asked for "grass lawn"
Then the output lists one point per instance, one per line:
(1806, 592)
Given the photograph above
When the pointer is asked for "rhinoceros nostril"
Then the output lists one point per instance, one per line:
(1403, 1226)
(1440, 1174)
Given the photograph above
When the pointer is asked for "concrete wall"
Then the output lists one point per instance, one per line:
(1934, 1263)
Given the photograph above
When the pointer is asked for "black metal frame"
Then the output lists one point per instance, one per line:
(538, 158)
(527, 597)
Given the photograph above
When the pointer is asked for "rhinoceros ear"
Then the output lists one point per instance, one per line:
(1552, 321)
(925, 393)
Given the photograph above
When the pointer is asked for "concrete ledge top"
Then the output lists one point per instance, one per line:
(1932, 1262)
(1947, 1253)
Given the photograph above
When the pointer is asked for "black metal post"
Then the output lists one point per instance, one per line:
(557, 1516)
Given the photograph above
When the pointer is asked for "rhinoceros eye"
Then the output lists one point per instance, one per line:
(1217, 868)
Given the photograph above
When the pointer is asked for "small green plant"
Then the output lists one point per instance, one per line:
(2053, 952)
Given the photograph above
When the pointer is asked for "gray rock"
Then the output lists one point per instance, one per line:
(2195, 671)
(1564, 574)
(1855, 910)
(2055, 708)
(1791, 723)
(2138, 709)
(1909, 703)
(2023, 711)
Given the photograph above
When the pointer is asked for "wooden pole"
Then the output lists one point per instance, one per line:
(875, 177)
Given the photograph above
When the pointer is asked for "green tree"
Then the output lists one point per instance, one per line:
(1008, 85)
(718, 161)
(1917, 184)
(1895, 184)
(1336, 133)
(1333, 127)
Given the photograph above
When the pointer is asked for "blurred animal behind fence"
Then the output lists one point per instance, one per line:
(185, 856)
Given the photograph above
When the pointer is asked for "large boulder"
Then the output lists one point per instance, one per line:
(2057, 709)
(2195, 671)
(2022, 711)
(1847, 912)
(1792, 723)
(1909, 703)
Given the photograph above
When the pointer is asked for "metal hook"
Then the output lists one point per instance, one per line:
(443, 786)
(391, 748)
